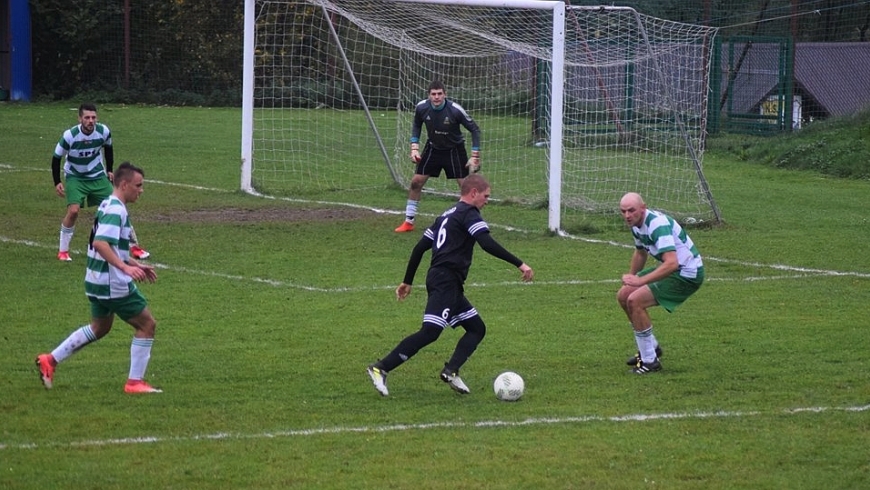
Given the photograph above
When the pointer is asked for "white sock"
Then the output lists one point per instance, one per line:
(646, 345)
(411, 210)
(133, 239)
(66, 235)
(78, 339)
(140, 354)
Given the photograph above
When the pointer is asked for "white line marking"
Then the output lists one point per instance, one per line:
(434, 425)
(784, 267)
(561, 233)
(802, 271)
(303, 287)
(504, 227)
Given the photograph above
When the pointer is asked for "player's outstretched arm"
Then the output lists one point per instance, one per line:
(492, 247)
(404, 288)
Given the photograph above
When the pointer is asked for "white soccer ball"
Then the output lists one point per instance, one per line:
(508, 386)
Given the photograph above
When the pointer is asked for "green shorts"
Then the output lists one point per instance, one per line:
(87, 192)
(126, 307)
(673, 290)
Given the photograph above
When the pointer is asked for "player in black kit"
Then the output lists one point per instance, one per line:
(445, 146)
(451, 239)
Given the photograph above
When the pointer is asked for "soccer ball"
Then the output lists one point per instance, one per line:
(508, 386)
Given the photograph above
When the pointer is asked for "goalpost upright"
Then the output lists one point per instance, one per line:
(554, 200)
(558, 57)
(248, 98)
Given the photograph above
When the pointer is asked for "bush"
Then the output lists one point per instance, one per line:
(838, 147)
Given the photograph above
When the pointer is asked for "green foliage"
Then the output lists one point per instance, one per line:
(268, 312)
(838, 147)
(190, 52)
(184, 52)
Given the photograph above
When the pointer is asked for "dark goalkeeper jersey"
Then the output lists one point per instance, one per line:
(444, 125)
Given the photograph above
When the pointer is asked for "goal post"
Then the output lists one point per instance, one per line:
(557, 59)
(577, 105)
(247, 160)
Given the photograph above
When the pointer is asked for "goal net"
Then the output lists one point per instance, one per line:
(577, 105)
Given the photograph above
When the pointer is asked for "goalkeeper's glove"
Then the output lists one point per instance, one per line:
(474, 162)
(415, 152)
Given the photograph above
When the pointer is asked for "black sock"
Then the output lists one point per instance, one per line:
(409, 346)
(475, 331)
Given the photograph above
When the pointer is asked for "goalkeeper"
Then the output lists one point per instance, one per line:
(445, 146)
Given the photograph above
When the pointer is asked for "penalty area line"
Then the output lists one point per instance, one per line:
(356, 289)
(801, 272)
(782, 267)
(534, 421)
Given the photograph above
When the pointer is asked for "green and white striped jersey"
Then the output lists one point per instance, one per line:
(111, 225)
(84, 152)
(659, 233)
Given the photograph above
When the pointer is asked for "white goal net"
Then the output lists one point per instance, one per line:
(334, 85)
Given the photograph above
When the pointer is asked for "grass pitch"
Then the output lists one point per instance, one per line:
(269, 311)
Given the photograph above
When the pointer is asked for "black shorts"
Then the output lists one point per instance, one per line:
(447, 305)
(451, 161)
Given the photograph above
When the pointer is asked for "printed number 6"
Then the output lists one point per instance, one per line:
(442, 234)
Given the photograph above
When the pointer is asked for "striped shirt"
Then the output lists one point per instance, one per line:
(659, 233)
(84, 155)
(111, 225)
